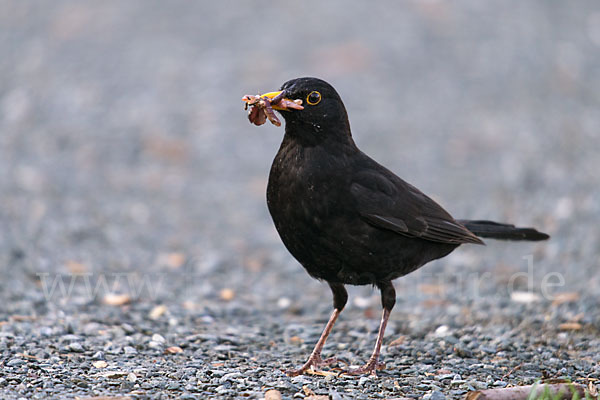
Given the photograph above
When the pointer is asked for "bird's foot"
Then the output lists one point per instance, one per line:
(369, 368)
(313, 364)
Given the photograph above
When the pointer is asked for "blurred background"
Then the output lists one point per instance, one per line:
(124, 146)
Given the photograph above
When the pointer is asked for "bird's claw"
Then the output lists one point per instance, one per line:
(313, 364)
(369, 368)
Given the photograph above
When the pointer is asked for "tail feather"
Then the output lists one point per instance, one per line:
(496, 230)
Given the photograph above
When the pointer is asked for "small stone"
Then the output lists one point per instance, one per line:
(126, 386)
(91, 328)
(100, 364)
(222, 390)
(158, 383)
(114, 350)
(437, 395)
(301, 380)
(570, 326)
(82, 384)
(158, 338)
(16, 362)
(128, 329)
(131, 377)
(173, 350)
(76, 347)
(272, 395)
(451, 339)
(335, 395)
(113, 299)
(480, 385)
(284, 302)
(70, 338)
(442, 331)
(398, 341)
(129, 350)
(223, 347)
(362, 302)
(157, 311)
(227, 294)
(114, 374)
(174, 260)
(462, 351)
(525, 297)
(296, 340)
(362, 381)
(229, 377)
(217, 372)
(46, 331)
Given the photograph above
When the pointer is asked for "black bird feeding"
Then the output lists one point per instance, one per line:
(346, 218)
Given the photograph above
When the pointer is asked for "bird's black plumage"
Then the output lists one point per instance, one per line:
(348, 219)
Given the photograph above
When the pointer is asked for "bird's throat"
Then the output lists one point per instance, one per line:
(313, 134)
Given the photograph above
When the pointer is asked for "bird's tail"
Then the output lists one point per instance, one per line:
(496, 230)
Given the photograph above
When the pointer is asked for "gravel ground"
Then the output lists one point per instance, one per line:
(137, 254)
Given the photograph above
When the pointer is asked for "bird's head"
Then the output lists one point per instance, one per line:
(322, 114)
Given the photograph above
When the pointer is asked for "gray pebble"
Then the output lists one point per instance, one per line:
(334, 395)
(486, 349)
(158, 338)
(126, 386)
(437, 395)
(229, 377)
(76, 347)
(155, 345)
(363, 380)
(222, 390)
(46, 331)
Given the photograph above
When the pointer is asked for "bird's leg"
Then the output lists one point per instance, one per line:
(373, 364)
(340, 297)
(315, 360)
(388, 300)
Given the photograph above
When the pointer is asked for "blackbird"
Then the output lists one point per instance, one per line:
(348, 219)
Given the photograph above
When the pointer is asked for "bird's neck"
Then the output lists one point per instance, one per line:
(309, 135)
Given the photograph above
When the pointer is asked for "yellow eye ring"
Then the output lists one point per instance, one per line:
(313, 98)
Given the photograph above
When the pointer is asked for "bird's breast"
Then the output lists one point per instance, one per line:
(295, 192)
(306, 192)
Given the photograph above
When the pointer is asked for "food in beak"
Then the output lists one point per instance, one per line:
(262, 107)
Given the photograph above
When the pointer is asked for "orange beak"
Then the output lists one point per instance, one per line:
(283, 104)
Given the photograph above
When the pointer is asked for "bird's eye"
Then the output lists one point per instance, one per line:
(313, 98)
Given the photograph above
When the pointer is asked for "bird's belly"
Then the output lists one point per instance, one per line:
(336, 245)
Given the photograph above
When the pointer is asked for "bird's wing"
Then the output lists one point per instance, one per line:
(387, 202)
